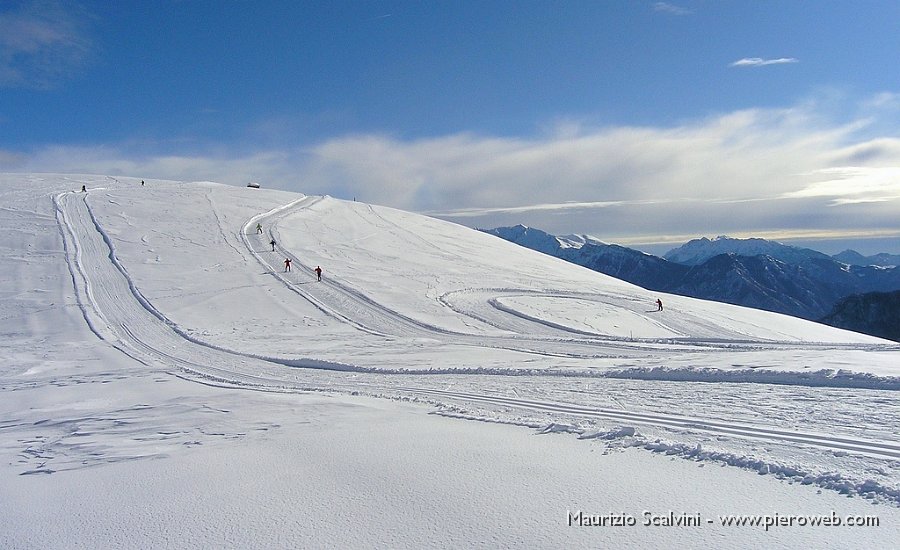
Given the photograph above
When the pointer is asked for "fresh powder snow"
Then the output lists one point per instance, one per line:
(167, 383)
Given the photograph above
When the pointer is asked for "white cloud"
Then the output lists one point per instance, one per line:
(742, 155)
(852, 184)
(672, 9)
(760, 62)
(42, 43)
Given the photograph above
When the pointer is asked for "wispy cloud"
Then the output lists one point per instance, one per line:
(852, 184)
(885, 100)
(552, 207)
(42, 43)
(671, 9)
(760, 62)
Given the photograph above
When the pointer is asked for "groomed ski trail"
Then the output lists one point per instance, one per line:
(118, 313)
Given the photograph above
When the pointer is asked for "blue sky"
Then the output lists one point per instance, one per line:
(640, 122)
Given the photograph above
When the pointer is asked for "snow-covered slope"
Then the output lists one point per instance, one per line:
(187, 258)
(114, 296)
(388, 272)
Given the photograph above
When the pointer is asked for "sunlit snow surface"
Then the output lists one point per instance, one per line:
(116, 301)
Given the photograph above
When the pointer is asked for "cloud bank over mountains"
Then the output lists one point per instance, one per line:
(764, 170)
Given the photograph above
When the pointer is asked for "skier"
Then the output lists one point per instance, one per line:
(273, 245)
(287, 264)
(142, 183)
(659, 305)
(258, 228)
(83, 189)
(318, 271)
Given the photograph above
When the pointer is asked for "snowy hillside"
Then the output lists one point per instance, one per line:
(117, 300)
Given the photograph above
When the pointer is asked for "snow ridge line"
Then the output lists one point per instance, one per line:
(819, 378)
(825, 378)
(868, 447)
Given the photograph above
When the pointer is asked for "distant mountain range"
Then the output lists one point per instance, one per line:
(756, 273)
(853, 257)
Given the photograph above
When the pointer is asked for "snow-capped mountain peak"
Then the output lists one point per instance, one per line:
(697, 251)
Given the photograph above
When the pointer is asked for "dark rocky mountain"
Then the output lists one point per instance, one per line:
(697, 251)
(749, 272)
(853, 257)
(875, 313)
(760, 282)
(634, 266)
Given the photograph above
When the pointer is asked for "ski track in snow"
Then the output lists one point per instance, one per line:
(117, 312)
(873, 448)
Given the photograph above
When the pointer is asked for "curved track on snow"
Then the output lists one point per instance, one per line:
(118, 313)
